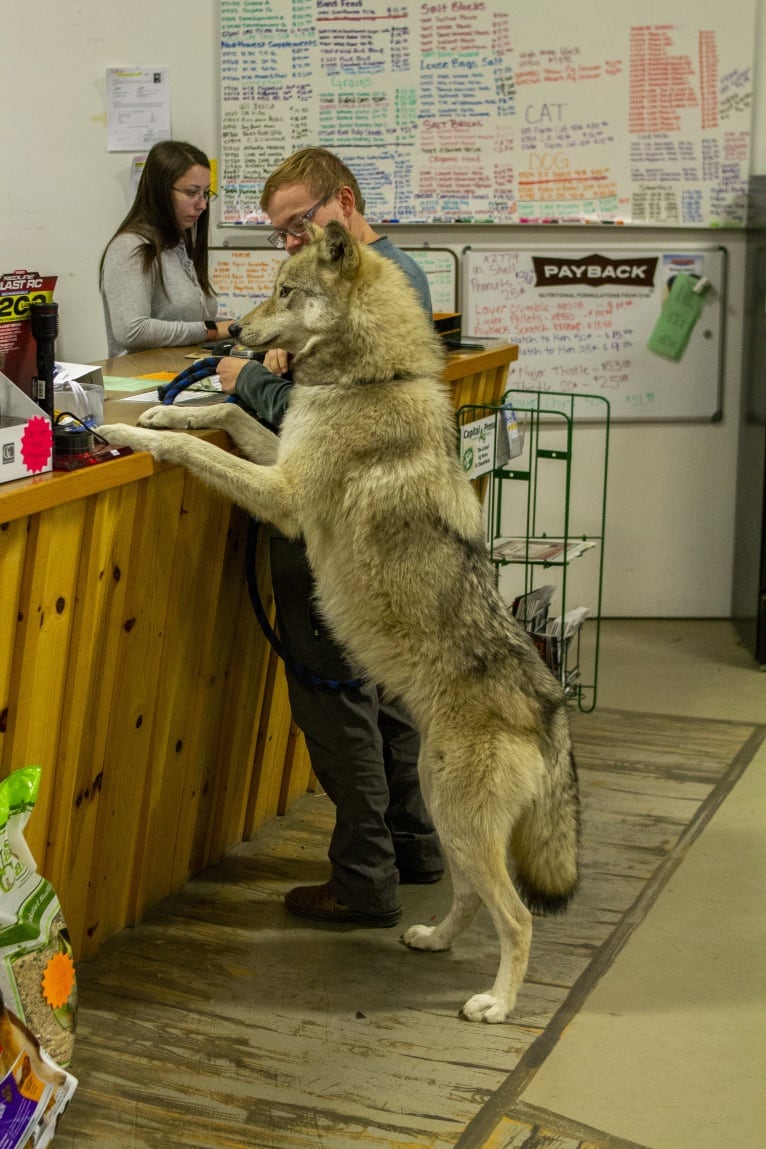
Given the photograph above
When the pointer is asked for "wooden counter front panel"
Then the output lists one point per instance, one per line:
(480, 376)
(133, 670)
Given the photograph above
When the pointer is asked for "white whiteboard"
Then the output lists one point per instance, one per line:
(485, 111)
(244, 276)
(441, 268)
(582, 317)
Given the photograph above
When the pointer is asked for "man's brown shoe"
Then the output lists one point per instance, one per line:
(320, 904)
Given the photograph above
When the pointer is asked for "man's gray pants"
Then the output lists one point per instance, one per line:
(363, 751)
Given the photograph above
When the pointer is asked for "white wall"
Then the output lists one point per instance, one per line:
(63, 194)
(671, 487)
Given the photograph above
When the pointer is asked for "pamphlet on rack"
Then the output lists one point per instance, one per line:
(491, 441)
(554, 643)
(532, 608)
(571, 622)
(552, 637)
(540, 550)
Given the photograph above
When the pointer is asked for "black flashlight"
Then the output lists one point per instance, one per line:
(45, 328)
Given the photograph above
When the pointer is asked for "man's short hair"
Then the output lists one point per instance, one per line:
(319, 170)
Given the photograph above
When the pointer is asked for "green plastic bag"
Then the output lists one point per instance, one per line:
(37, 974)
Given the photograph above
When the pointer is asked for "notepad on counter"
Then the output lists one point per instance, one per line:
(118, 383)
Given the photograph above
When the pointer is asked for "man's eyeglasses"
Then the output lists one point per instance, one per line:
(298, 228)
(197, 193)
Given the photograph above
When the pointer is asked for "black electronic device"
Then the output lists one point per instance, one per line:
(45, 328)
(219, 346)
(77, 444)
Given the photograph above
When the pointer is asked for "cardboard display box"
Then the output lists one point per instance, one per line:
(82, 372)
(26, 435)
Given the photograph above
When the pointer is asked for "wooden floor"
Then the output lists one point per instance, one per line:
(223, 1021)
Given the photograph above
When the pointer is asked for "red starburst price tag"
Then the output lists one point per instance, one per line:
(37, 444)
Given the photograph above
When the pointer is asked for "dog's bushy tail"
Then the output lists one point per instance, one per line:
(545, 843)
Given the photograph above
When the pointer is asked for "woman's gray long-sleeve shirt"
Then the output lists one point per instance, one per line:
(139, 314)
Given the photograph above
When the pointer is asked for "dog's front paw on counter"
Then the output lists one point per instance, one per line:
(174, 417)
(122, 435)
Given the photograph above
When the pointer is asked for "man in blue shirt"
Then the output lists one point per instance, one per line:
(363, 750)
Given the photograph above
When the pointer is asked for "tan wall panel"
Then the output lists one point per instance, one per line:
(130, 754)
(40, 666)
(194, 586)
(102, 583)
(13, 549)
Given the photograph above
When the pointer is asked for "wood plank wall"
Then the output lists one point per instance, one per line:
(133, 670)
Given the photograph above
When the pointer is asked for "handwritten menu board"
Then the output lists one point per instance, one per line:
(582, 318)
(485, 111)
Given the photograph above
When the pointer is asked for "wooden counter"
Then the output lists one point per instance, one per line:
(133, 670)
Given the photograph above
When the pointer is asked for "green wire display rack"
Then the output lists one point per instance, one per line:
(544, 490)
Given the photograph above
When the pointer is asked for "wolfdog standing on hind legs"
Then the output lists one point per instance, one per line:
(366, 470)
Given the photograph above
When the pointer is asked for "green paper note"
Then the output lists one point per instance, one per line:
(118, 383)
(680, 312)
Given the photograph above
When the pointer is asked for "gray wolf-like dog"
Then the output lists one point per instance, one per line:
(366, 471)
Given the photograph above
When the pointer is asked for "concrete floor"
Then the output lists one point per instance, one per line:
(669, 1051)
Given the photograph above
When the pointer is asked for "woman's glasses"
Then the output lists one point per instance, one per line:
(197, 194)
(298, 228)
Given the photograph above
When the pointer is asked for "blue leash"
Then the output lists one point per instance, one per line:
(301, 672)
(203, 369)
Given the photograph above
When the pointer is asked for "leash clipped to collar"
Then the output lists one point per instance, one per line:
(301, 672)
(201, 369)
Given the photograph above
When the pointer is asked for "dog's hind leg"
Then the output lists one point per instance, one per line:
(513, 923)
(465, 905)
(474, 822)
(491, 885)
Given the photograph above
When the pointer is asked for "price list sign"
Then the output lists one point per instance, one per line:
(479, 111)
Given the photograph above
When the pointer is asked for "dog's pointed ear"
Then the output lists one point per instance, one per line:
(339, 247)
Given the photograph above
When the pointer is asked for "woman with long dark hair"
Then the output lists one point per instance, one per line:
(153, 274)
